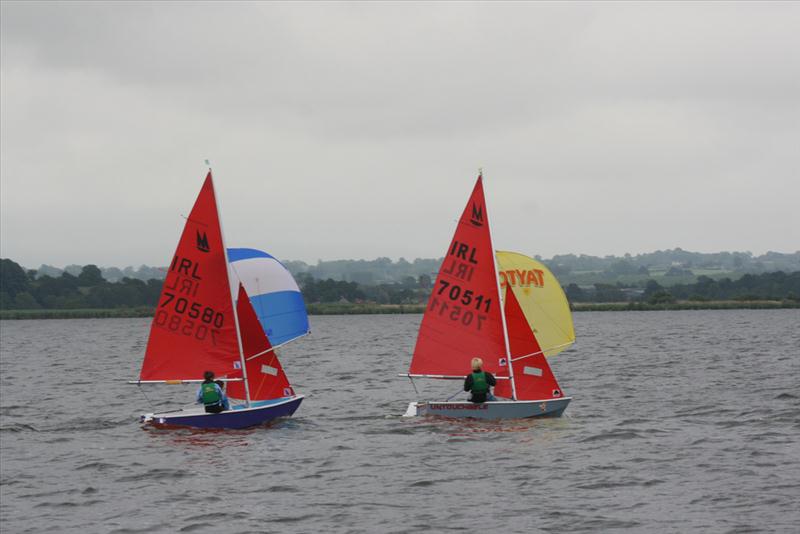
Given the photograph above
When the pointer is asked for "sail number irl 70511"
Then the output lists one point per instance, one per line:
(456, 303)
(189, 318)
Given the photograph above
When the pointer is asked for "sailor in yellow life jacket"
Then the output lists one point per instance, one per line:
(478, 383)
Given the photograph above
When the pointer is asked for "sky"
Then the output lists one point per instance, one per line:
(356, 130)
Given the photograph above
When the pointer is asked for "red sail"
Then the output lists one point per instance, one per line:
(463, 317)
(533, 379)
(193, 329)
(265, 375)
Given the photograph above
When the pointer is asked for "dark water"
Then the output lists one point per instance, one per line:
(682, 421)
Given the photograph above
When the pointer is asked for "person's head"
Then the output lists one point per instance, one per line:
(208, 375)
(477, 364)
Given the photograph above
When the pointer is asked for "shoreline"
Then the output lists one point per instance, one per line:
(394, 309)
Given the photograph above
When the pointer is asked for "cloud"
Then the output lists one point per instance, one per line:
(355, 130)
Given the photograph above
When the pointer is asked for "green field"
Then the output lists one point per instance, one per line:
(687, 305)
(376, 309)
(77, 313)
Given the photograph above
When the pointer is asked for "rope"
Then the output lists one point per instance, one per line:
(414, 386)
(146, 398)
(451, 397)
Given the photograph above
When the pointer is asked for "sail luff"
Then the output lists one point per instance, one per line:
(500, 300)
(233, 305)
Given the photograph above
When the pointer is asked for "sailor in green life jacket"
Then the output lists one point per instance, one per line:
(478, 383)
(211, 395)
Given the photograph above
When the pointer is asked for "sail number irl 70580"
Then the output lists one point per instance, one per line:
(189, 318)
(457, 303)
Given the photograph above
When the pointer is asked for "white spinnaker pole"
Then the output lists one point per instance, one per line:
(228, 282)
(500, 298)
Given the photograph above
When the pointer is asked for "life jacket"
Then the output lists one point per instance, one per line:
(479, 385)
(211, 394)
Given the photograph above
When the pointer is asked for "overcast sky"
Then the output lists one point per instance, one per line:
(355, 130)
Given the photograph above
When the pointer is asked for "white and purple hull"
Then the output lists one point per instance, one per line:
(258, 413)
(490, 410)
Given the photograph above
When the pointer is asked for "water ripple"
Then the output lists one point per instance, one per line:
(681, 422)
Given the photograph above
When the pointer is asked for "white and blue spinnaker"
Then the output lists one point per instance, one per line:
(273, 293)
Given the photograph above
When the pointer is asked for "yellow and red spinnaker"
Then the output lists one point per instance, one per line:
(541, 298)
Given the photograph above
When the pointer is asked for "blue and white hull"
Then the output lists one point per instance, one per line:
(490, 410)
(258, 413)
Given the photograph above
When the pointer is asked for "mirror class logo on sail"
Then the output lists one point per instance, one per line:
(202, 242)
(477, 215)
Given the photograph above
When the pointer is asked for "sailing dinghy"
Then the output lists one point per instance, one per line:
(198, 327)
(507, 309)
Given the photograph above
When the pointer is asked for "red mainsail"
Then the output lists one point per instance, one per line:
(265, 376)
(193, 329)
(533, 379)
(463, 317)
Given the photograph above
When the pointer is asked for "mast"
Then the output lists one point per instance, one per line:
(500, 303)
(235, 313)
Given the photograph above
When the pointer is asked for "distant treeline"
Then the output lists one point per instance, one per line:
(663, 260)
(668, 267)
(750, 287)
(27, 290)
(409, 291)
(110, 274)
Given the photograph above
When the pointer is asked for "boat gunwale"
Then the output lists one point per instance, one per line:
(181, 413)
(496, 402)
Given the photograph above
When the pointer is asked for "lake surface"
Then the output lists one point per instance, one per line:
(680, 421)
